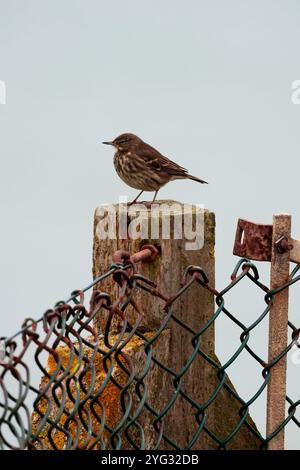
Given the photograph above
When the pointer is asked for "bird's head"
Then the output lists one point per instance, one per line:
(124, 141)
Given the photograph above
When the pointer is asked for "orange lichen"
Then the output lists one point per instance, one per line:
(109, 398)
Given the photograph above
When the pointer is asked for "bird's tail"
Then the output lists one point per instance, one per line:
(194, 178)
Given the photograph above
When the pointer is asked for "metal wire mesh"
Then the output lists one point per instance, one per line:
(95, 393)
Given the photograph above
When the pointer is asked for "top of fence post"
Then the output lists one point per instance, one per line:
(184, 235)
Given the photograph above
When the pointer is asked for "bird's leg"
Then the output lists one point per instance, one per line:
(155, 196)
(134, 201)
(148, 203)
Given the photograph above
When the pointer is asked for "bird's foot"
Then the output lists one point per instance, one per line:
(133, 203)
(147, 204)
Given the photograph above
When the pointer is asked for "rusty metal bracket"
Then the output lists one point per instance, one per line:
(147, 252)
(284, 244)
(254, 241)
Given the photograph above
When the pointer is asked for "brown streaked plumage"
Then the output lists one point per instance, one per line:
(142, 167)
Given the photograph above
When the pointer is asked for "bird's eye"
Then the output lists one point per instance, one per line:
(122, 141)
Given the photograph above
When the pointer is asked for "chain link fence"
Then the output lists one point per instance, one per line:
(65, 386)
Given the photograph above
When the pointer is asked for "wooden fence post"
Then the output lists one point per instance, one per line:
(195, 308)
(278, 325)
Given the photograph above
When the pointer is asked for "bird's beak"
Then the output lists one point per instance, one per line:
(108, 143)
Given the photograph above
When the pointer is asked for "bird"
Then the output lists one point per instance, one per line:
(143, 167)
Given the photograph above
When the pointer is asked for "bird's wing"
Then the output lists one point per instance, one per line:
(158, 162)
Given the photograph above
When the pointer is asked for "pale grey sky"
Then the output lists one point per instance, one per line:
(206, 82)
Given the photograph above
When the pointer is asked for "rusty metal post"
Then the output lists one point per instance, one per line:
(278, 324)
